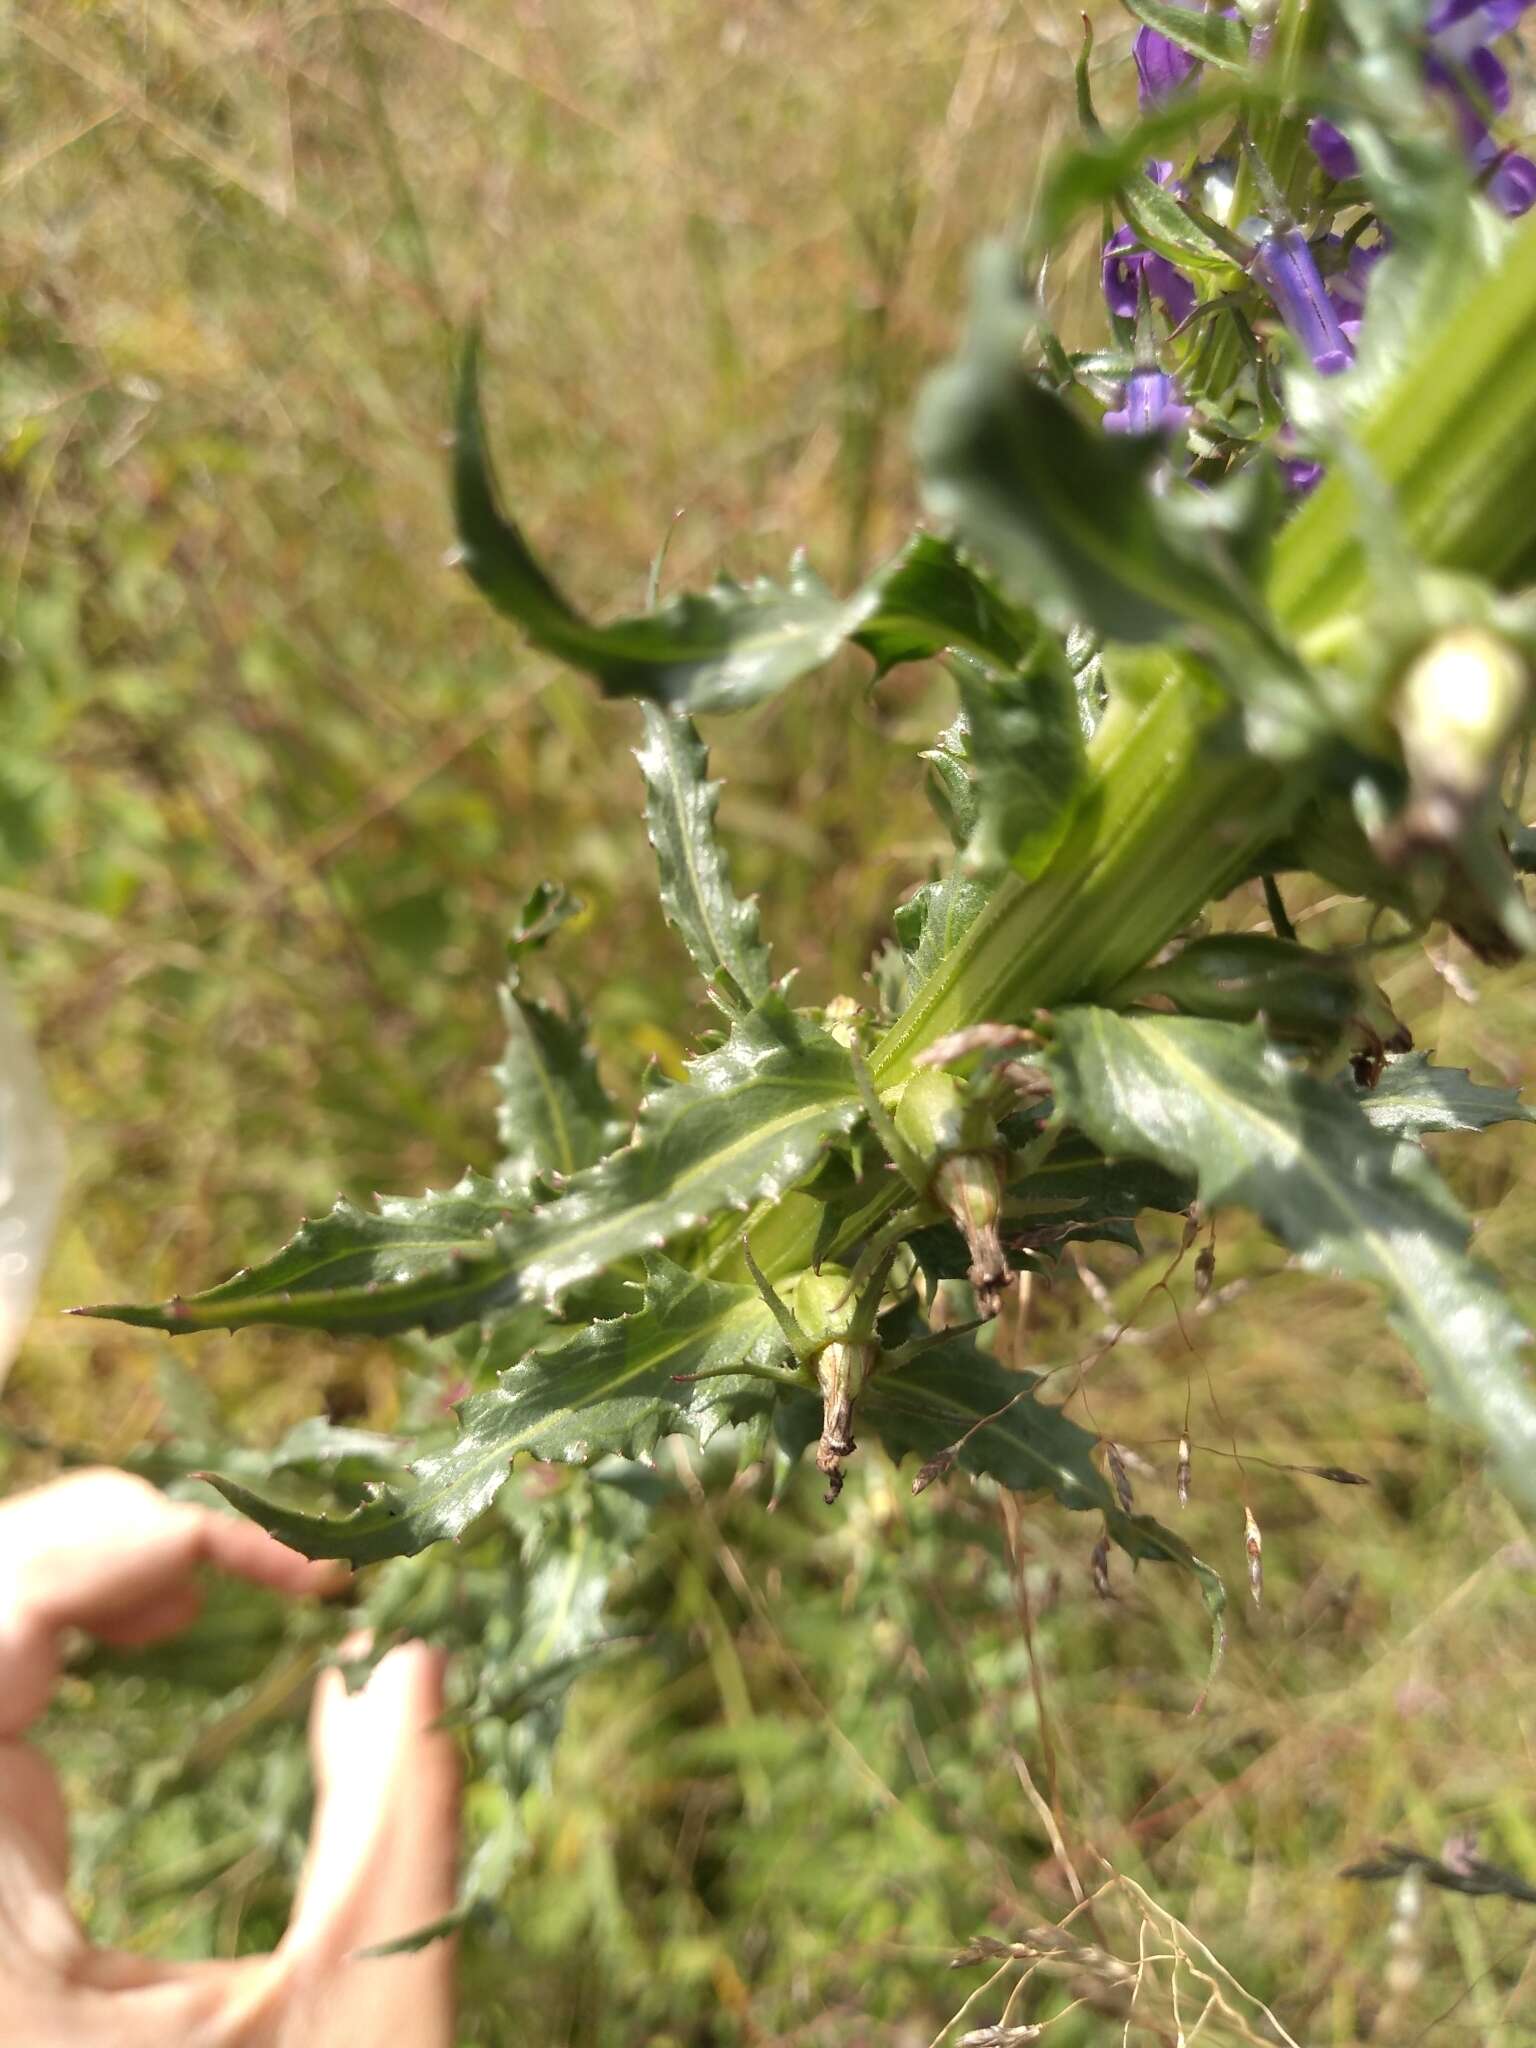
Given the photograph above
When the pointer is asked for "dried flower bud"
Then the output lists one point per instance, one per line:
(935, 1469)
(1253, 1538)
(1183, 1474)
(842, 1370)
(1205, 1270)
(1120, 1476)
(1098, 1565)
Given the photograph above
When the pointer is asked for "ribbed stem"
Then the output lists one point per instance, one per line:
(1172, 820)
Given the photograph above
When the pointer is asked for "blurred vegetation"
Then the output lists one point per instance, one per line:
(274, 785)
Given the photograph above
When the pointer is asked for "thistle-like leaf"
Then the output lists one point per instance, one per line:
(1218, 1101)
(956, 1398)
(737, 643)
(929, 599)
(956, 1395)
(613, 1387)
(553, 1114)
(719, 930)
(1026, 740)
(1412, 1098)
(751, 1120)
(1063, 513)
(406, 1262)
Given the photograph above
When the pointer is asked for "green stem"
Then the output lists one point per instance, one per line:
(1174, 818)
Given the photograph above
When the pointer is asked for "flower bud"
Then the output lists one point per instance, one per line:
(958, 1139)
(842, 1369)
(1458, 706)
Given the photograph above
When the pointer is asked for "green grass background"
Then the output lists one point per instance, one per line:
(273, 786)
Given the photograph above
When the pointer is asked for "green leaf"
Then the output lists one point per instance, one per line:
(1168, 226)
(751, 1120)
(611, 1388)
(929, 599)
(728, 649)
(1218, 1101)
(1063, 512)
(549, 906)
(935, 919)
(1210, 37)
(737, 643)
(931, 1405)
(1412, 1098)
(553, 1115)
(1026, 740)
(390, 1266)
(956, 1398)
(950, 784)
(719, 930)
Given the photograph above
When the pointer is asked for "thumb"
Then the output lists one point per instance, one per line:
(382, 1861)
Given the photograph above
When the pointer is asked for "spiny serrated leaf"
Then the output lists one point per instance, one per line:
(929, 599)
(1026, 740)
(719, 930)
(1022, 1443)
(553, 1114)
(1412, 1098)
(721, 651)
(751, 1120)
(610, 1388)
(950, 783)
(1062, 512)
(396, 1259)
(1218, 1101)
(935, 918)
(936, 1404)
(737, 643)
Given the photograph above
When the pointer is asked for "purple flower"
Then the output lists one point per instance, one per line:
(1332, 150)
(1126, 262)
(1149, 404)
(1161, 66)
(1347, 287)
(1287, 269)
(1461, 26)
(1461, 66)
(1300, 476)
(1477, 85)
(1511, 184)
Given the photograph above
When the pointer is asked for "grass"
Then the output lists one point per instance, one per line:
(274, 787)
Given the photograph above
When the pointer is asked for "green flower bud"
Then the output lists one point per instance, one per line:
(1460, 702)
(937, 1115)
(969, 1187)
(957, 1138)
(823, 1306)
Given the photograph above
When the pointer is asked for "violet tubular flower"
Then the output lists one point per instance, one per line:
(1512, 184)
(1461, 67)
(1161, 67)
(1149, 404)
(1285, 266)
(1126, 262)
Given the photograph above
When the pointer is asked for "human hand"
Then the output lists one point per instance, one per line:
(106, 1553)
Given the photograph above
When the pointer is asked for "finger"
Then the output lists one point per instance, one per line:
(89, 1549)
(382, 1858)
(153, 1620)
